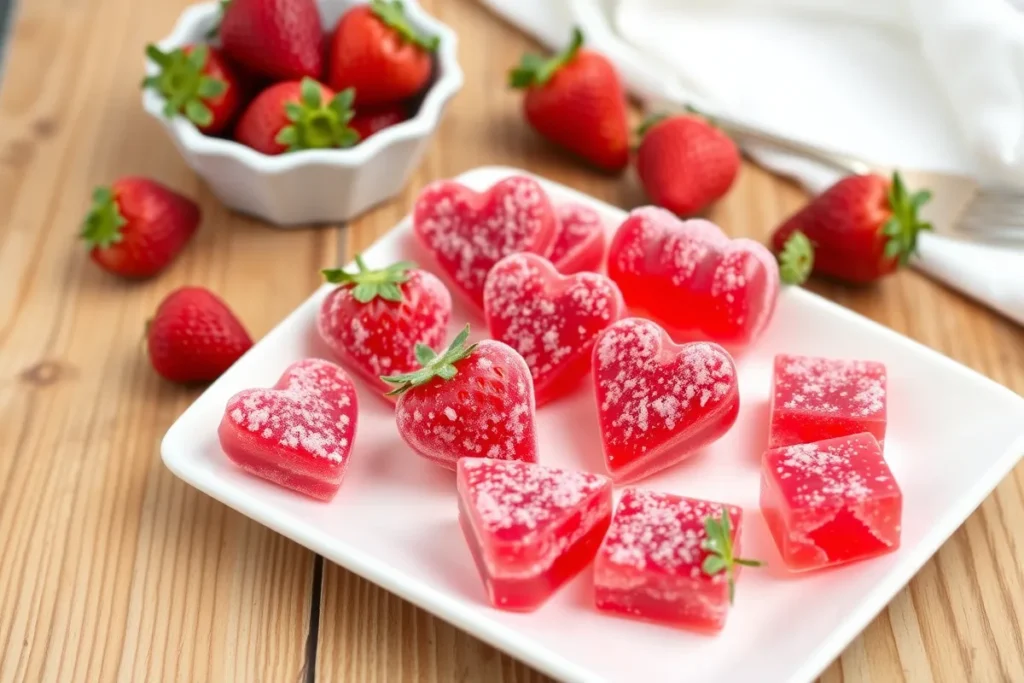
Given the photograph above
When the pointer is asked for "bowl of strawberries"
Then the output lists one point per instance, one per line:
(302, 111)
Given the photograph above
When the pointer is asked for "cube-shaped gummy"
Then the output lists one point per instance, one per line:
(821, 398)
(650, 564)
(830, 502)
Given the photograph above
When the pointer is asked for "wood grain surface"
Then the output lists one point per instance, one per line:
(113, 570)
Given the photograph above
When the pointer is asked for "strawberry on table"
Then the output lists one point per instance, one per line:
(198, 84)
(368, 121)
(550, 319)
(468, 232)
(575, 99)
(375, 318)
(580, 241)
(471, 401)
(137, 226)
(659, 402)
(279, 39)
(862, 228)
(291, 116)
(685, 163)
(376, 50)
(194, 336)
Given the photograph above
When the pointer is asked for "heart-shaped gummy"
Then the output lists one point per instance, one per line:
(468, 232)
(297, 434)
(691, 278)
(580, 240)
(550, 319)
(658, 401)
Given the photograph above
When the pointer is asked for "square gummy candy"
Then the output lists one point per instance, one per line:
(654, 563)
(830, 502)
(822, 398)
(529, 527)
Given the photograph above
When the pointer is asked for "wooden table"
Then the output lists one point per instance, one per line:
(112, 569)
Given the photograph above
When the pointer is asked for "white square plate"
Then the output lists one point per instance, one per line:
(953, 434)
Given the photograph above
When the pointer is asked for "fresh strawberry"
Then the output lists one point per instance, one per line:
(197, 83)
(468, 232)
(685, 163)
(369, 121)
(375, 318)
(377, 51)
(580, 240)
(279, 39)
(294, 115)
(550, 319)
(862, 228)
(137, 226)
(690, 277)
(659, 402)
(471, 401)
(194, 336)
(576, 100)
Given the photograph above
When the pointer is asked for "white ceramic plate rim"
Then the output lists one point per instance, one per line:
(526, 648)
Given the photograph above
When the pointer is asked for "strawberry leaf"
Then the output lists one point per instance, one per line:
(182, 82)
(316, 124)
(368, 284)
(392, 14)
(796, 260)
(905, 224)
(442, 365)
(534, 70)
(104, 221)
(720, 556)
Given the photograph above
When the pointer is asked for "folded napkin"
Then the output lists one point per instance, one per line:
(928, 84)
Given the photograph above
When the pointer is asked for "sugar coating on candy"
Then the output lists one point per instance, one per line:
(640, 393)
(470, 233)
(578, 225)
(513, 498)
(549, 319)
(836, 471)
(490, 415)
(829, 385)
(379, 337)
(303, 414)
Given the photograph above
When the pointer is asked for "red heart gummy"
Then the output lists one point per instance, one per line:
(297, 434)
(550, 319)
(468, 232)
(691, 278)
(580, 239)
(658, 401)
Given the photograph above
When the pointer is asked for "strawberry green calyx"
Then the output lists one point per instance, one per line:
(719, 546)
(104, 221)
(183, 84)
(434, 365)
(536, 70)
(796, 260)
(904, 226)
(368, 284)
(650, 122)
(315, 124)
(393, 15)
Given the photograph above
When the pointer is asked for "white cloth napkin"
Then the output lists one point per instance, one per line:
(929, 84)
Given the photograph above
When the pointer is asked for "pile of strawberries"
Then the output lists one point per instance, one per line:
(274, 82)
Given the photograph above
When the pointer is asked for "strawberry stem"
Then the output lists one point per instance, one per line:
(182, 83)
(434, 365)
(535, 70)
(104, 221)
(650, 122)
(796, 260)
(369, 284)
(905, 224)
(393, 15)
(316, 124)
(720, 558)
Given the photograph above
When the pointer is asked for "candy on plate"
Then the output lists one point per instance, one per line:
(580, 239)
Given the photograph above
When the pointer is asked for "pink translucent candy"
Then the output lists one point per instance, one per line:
(580, 240)
(650, 564)
(529, 527)
(830, 502)
(297, 434)
(820, 398)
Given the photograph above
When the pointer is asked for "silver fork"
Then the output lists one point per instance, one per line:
(959, 207)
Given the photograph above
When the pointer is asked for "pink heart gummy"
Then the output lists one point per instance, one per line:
(468, 232)
(658, 402)
(691, 278)
(297, 434)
